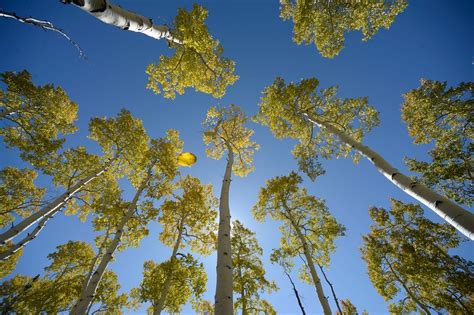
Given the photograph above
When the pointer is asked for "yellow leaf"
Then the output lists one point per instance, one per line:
(186, 159)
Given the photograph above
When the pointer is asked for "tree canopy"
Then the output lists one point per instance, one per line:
(324, 23)
(285, 109)
(443, 116)
(197, 61)
(249, 272)
(409, 263)
(35, 118)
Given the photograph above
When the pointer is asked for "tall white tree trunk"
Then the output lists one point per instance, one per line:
(452, 213)
(87, 295)
(224, 286)
(50, 209)
(88, 278)
(28, 238)
(126, 20)
(166, 286)
(309, 261)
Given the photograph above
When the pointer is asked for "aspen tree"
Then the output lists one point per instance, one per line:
(225, 133)
(409, 264)
(308, 230)
(152, 178)
(187, 220)
(197, 61)
(59, 288)
(188, 279)
(34, 118)
(122, 140)
(443, 116)
(249, 273)
(324, 23)
(294, 110)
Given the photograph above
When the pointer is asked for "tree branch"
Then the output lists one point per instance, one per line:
(45, 25)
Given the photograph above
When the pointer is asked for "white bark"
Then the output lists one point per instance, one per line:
(87, 296)
(126, 20)
(88, 278)
(452, 213)
(50, 209)
(314, 275)
(28, 238)
(166, 286)
(224, 287)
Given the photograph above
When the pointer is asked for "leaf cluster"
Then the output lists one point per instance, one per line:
(285, 109)
(197, 61)
(324, 23)
(409, 263)
(225, 131)
(445, 117)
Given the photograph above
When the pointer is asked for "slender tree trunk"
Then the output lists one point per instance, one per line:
(408, 291)
(296, 292)
(314, 275)
(317, 282)
(50, 209)
(169, 277)
(244, 303)
(123, 19)
(86, 296)
(452, 213)
(224, 287)
(332, 289)
(94, 262)
(28, 238)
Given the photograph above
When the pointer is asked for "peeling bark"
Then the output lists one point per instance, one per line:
(452, 213)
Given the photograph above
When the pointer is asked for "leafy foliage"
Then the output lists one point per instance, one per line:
(409, 264)
(34, 118)
(60, 287)
(197, 61)
(285, 108)
(7, 266)
(443, 116)
(305, 218)
(203, 307)
(18, 194)
(190, 215)
(325, 23)
(249, 273)
(157, 169)
(224, 131)
(347, 308)
(188, 280)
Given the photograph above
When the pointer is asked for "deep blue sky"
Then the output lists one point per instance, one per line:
(431, 39)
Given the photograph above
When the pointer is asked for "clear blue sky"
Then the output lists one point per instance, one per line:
(431, 39)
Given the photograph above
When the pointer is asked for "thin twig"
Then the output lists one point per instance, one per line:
(45, 25)
(296, 292)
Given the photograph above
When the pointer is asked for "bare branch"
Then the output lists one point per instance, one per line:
(45, 25)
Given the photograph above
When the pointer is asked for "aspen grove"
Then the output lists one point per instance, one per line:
(132, 183)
